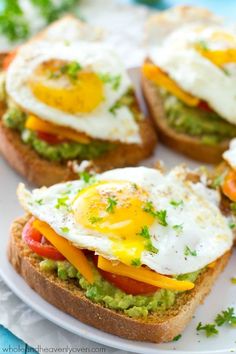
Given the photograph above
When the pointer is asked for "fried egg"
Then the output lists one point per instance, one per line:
(202, 60)
(137, 215)
(76, 85)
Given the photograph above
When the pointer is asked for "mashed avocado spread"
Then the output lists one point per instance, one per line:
(14, 118)
(109, 296)
(208, 126)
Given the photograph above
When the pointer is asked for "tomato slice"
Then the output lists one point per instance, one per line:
(128, 285)
(38, 244)
(229, 185)
(205, 106)
(50, 138)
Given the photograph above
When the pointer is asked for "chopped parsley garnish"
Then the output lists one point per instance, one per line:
(86, 177)
(39, 201)
(189, 252)
(233, 281)
(178, 228)
(160, 215)
(175, 339)
(136, 262)
(226, 317)
(202, 45)
(217, 181)
(113, 109)
(95, 219)
(210, 329)
(71, 69)
(145, 233)
(65, 229)
(176, 203)
(13, 23)
(61, 202)
(113, 80)
(232, 225)
(112, 202)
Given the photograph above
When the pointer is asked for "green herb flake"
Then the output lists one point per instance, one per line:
(61, 202)
(114, 108)
(189, 252)
(176, 203)
(65, 229)
(145, 232)
(161, 215)
(232, 225)
(178, 228)
(112, 202)
(202, 45)
(226, 317)
(86, 177)
(209, 329)
(39, 201)
(72, 69)
(95, 219)
(175, 339)
(136, 262)
(113, 80)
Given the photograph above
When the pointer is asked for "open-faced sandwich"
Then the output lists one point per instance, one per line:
(131, 251)
(64, 98)
(189, 82)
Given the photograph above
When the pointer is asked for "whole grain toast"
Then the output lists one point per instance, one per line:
(190, 146)
(70, 298)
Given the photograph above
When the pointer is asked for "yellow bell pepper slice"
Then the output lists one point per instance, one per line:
(37, 124)
(73, 254)
(153, 73)
(144, 275)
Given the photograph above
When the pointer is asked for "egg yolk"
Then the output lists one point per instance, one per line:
(115, 209)
(67, 87)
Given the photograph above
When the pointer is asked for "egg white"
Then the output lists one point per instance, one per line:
(100, 123)
(204, 229)
(196, 74)
(230, 154)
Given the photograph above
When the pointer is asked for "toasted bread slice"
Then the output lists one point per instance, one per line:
(68, 297)
(191, 146)
(42, 172)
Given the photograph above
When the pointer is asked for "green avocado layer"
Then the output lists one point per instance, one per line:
(194, 121)
(14, 118)
(103, 292)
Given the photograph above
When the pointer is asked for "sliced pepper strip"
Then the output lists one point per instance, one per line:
(229, 185)
(144, 275)
(73, 254)
(37, 124)
(153, 73)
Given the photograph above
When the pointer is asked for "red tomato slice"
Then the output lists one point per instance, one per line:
(205, 106)
(50, 138)
(128, 285)
(8, 59)
(37, 244)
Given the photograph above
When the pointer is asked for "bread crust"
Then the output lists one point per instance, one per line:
(71, 299)
(42, 172)
(183, 143)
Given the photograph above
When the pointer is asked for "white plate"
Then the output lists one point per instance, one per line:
(222, 296)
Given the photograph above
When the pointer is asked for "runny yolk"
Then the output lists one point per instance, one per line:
(54, 87)
(115, 209)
